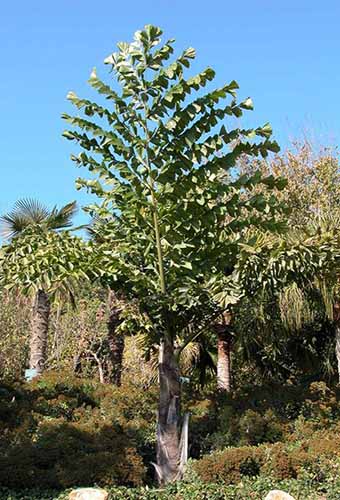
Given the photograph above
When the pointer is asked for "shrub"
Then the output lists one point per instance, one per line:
(321, 404)
(63, 455)
(230, 465)
(252, 427)
(265, 415)
(279, 460)
(279, 463)
(274, 428)
(315, 481)
(60, 431)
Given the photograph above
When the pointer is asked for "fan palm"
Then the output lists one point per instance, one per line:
(30, 214)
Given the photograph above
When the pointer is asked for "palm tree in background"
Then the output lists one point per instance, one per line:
(31, 214)
(116, 304)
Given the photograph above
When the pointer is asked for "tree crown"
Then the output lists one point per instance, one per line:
(164, 165)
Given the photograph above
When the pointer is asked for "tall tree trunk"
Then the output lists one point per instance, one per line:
(224, 341)
(168, 430)
(38, 344)
(337, 347)
(116, 347)
(116, 341)
(336, 316)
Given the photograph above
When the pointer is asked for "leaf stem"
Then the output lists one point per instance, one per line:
(153, 197)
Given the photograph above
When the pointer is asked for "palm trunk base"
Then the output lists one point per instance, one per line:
(171, 460)
(171, 447)
(38, 344)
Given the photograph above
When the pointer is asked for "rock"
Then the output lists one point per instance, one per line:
(88, 494)
(278, 495)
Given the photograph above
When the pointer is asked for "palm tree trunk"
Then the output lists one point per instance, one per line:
(337, 347)
(336, 316)
(223, 361)
(224, 342)
(168, 430)
(38, 344)
(116, 343)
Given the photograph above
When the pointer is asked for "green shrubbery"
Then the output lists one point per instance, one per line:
(60, 431)
(264, 415)
(318, 455)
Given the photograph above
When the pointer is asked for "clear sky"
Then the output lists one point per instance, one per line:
(285, 54)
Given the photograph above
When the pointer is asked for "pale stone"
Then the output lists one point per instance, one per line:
(88, 494)
(278, 495)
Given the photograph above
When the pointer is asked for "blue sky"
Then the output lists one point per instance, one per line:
(284, 54)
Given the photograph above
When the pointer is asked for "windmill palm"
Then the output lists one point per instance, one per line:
(28, 212)
(31, 214)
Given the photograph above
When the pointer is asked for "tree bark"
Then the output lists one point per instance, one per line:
(116, 342)
(168, 438)
(38, 344)
(224, 342)
(336, 315)
(337, 347)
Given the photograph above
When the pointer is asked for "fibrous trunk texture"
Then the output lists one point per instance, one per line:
(337, 347)
(38, 344)
(224, 341)
(116, 343)
(168, 438)
(336, 315)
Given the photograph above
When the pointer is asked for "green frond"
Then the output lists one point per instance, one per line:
(29, 212)
(62, 218)
(12, 224)
(47, 260)
(294, 307)
(189, 356)
(32, 209)
(327, 291)
(26, 212)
